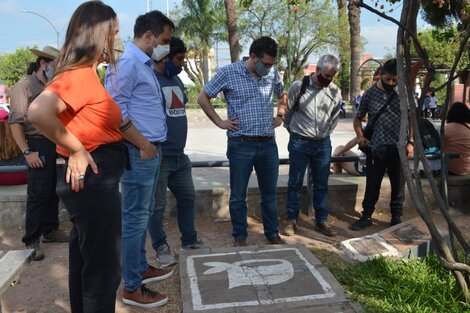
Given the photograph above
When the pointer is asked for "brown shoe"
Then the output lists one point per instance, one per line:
(290, 228)
(323, 228)
(144, 298)
(155, 274)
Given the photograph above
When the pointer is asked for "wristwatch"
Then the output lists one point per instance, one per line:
(26, 151)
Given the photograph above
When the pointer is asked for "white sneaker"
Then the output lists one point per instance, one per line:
(164, 256)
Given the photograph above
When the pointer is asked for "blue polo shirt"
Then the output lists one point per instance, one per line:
(132, 83)
(249, 100)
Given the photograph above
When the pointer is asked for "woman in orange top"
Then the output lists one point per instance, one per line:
(77, 113)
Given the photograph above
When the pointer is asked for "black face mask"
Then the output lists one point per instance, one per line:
(323, 81)
(386, 86)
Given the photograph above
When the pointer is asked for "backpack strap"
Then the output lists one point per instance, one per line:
(303, 88)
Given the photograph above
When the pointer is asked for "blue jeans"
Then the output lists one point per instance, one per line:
(301, 153)
(243, 156)
(175, 174)
(138, 204)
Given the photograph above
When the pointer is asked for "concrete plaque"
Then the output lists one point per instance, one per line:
(368, 246)
(256, 279)
(409, 234)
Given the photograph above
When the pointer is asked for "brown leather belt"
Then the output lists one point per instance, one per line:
(258, 138)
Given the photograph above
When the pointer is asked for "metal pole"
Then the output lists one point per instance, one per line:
(47, 20)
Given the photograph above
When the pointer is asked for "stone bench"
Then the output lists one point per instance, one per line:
(212, 185)
(12, 264)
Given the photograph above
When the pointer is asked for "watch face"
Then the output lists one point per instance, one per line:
(26, 152)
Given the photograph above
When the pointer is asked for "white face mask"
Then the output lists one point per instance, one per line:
(160, 52)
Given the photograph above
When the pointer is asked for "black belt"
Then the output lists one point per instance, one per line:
(258, 138)
(35, 137)
(155, 143)
(307, 138)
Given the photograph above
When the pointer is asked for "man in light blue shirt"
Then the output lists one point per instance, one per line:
(132, 85)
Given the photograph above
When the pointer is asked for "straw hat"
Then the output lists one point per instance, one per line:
(46, 52)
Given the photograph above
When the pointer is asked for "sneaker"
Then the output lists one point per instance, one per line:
(239, 242)
(362, 223)
(323, 228)
(198, 244)
(290, 228)
(395, 221)
(37, 254)
(55, 235)
(144, 298)
(276, 240)
(155, 274)
(164, 256)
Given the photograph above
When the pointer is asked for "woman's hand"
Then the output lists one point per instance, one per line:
(77, 165)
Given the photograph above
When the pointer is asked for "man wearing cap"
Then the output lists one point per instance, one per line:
(42, 222)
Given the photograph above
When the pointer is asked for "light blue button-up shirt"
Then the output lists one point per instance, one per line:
(134, 87)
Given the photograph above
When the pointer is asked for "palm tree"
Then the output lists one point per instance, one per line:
(234, 44)
(354, 17)
(343, 47)
(200, 25)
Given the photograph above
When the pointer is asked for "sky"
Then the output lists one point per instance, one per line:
(19, 29)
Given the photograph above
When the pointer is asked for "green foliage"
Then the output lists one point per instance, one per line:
(200, 23)
(301, 25)
(193, 91)
(436, 15)
(395, 286)
(442, 45)
(13, 66)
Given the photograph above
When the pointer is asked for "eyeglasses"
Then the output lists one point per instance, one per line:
(266, 65)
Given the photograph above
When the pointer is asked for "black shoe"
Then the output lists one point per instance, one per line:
(395, 221)
(362, 223)
(239, 242)
(276, 240)
(37, 254)
(323, 228)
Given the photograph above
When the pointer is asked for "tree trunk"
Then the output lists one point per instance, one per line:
(234, 44)
(344, 41)
(408, 19)
(354, 17)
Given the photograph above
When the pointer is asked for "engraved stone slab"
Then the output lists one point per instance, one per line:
(284, 278)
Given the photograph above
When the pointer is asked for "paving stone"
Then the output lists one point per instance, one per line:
(281, 278)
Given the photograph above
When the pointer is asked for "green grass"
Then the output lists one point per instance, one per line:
(397, 286)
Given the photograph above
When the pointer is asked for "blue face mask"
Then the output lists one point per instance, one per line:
(261, 70)
(48, 73)
(171, 69)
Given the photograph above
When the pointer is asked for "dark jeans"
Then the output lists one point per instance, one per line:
(317, 153)
(376, 168)
(175, 174)
(95, 239)
(243, 156)
(42, 203)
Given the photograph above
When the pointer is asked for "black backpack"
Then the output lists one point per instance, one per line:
(429, 136)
